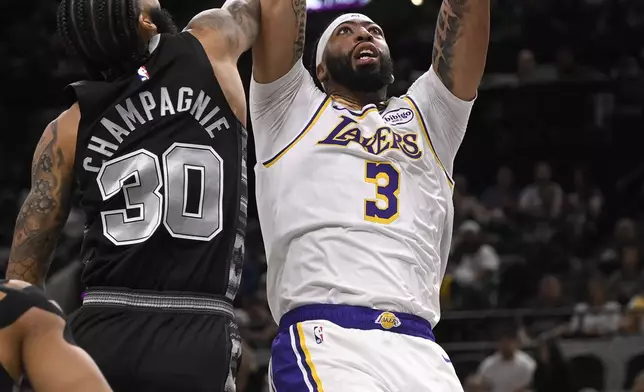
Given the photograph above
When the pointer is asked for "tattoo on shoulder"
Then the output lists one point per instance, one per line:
(240, 30)
(299, 9)
(246, 15)
(448, 30)
(44, 211)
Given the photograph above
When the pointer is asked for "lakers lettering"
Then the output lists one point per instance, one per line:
(384, 139)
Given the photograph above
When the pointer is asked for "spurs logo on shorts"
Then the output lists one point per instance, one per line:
(388, 320)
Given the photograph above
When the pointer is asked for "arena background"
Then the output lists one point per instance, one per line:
(557, 260)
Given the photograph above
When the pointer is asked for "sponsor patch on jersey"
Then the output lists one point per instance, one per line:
(319, 336)
(398, 116)
(388, 320)
(143, 74)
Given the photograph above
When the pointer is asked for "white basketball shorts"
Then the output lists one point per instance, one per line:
(339, 348)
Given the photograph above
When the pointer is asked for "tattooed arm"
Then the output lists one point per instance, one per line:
(281, 39)
(444, 95)
(460, 45)
(225, 33)
(45, 210)
(228, 31)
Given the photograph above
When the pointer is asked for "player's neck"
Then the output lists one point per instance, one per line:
(358, 100)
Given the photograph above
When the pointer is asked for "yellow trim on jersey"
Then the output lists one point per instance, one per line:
(316, 116)
(366, 113)
(421, 121)
(358, 114)
(307, 357)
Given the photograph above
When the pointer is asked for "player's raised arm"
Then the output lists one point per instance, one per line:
(45, 210)
(225, 33)
(444, 96)
(229, 31)
(460, 45)
(281, 39)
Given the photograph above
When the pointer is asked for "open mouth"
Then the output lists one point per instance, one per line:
(366, 53)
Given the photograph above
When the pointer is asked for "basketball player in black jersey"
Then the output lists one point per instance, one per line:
(156, 142)
(33, 341)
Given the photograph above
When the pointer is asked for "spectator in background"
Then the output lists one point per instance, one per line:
(568, 69)
(502, 195)
(597, 316)
(247, 366)
(476, 266)
(476, 383)
(583, 210)
(628, 280)
(509, 369)
(529, 71)
(585, 193)
(551, 374)
(261, 328)
(526, 66)
(550, 298)
(633, 319)
(466, 205)
(544, 197)
(625, 235)
(638, 385)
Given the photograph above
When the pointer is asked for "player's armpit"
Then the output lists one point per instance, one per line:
(45, 210)
(460, 45)
(281, 39)
(228, 31)
(51, 363)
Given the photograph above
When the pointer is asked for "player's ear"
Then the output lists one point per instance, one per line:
(146, 22)
(321, 73)
(145, 19)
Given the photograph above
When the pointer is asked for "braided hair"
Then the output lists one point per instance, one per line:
(104, 35)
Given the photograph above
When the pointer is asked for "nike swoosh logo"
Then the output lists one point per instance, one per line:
(446, 359)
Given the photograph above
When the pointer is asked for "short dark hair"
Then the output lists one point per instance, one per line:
(104, 35)
(313, 68)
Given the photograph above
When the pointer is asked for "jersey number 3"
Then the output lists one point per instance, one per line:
(387, 181)
(190, 207)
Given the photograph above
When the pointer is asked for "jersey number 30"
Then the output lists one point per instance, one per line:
(190, 207)
(387, 181)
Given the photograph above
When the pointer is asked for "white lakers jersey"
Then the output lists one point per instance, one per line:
(355, 206)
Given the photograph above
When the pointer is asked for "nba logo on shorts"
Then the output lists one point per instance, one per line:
(143, 74)
(388, 320)
(317, 332)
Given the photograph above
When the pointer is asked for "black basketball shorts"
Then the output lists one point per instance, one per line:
(159, 348)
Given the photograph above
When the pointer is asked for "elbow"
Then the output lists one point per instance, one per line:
(250, 25)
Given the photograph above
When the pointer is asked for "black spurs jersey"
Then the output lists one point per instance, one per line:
(161, 164)
(13, 304)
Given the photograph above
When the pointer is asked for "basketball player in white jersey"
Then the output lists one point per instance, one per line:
(355, 197)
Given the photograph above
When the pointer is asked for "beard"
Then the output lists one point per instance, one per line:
(364, 78)
(163, 20)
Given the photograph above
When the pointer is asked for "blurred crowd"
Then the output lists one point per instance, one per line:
(548, 202)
